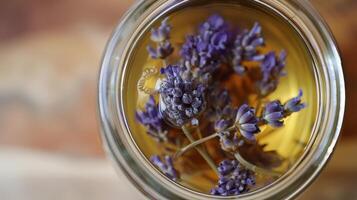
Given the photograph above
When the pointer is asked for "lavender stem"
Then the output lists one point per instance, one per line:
(204, 154)
(194, 144)
(200, 141)
(244, 162)
(253, 167)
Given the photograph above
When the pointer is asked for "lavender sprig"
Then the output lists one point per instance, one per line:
(161, 36)
(245, 48)
(247, 122)
(229, 141)
(152, 119)
(182, 97)
(220, 107)
(274, 112)
(272, 68)
(294, 104)
(204, 51)
(234, 179)
(166, 166)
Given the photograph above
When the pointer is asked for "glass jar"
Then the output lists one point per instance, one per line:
(330, 96)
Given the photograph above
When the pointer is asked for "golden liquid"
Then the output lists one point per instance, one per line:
(289, 141)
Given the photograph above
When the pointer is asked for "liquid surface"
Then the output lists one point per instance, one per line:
(289, 141)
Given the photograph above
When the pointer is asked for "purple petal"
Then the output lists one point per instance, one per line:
(249, 128)
(246, 117)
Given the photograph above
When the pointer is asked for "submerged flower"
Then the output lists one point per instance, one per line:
(182, 98)
(273, 113)
(166, 166)
(152, 119)
(161, 33)
(245, 47)
(294, 104)
(205, 50)
(214, 32)
(161, 36)
(247, 122)
(220, 107)
(229, 141)
(272, 69)
(163, 50)
(234, 179)
(221, 125)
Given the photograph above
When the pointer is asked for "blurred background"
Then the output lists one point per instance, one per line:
(50, 148)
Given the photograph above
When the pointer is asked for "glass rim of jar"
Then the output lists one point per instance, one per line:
(127, 157)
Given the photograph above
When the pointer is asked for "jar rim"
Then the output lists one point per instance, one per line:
(320, 40)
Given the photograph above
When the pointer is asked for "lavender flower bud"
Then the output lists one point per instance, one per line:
(221, 107)
(273, 114)
(206, 49)
(294, 104)
(272, 69)
(161, 37)
(234, 179)
(245, 48)
(152, 119)
(229, 141)
(221, 125)
(165, 166)
(181, 97)
(246, 122)
(162, 33)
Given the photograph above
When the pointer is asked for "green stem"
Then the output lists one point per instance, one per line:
(241, 160)
(198, 130)
(200, 141)
(194, 144)
(204, 154)
(253, 167)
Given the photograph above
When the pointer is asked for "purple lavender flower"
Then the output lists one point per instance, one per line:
(221, 125)
(214, 23)
(162, 33)
(152, 119)
(247, 122)
(294, 104)
(206, 50)
(245, 48)
(272, 69)
(166, 166)
(162, 51)
(161, 37)
(221, 106)
(222, 113)
(182, 98)
(230, 142)
(273, 114)
(234, 179)
(214, 32)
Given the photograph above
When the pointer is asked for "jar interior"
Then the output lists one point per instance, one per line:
(289, 141)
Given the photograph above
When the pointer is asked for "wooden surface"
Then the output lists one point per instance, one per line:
(49, 57)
